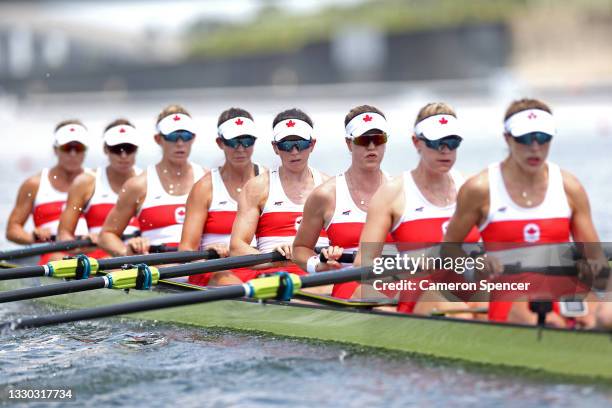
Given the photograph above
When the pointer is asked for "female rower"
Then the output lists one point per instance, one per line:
(270, 208)
(213, 201)
(93, 195)
(157, 196)
(415, 208)
(340, 204)
(528, 202)
(44, 195)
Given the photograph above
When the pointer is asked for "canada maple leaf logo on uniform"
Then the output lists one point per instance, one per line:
(443, 121)
(176, 118)
(367, 118)
(239, 122)
(290, 123)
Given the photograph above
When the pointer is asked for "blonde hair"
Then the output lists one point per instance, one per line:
(434, 108)
(523, 104)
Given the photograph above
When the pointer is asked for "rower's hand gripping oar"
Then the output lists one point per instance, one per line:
(67, 268)
(44, 248)
(132, 277)
(273, 287)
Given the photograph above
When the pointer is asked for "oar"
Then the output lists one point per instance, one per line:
(67, 268)
(277, 286)
(44, 248)
(140, 277)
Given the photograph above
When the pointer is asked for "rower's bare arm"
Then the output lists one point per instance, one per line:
(196, 213)
(316, 210)
(384, 210)
(78, 195)
(22, 210)
(472, 208)
(130, 198)
(250, 203)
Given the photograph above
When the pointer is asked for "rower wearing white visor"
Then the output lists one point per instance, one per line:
(528, 210)
(415, 207)
(156, 197)
(272, 204)
(44, 194)
(94, 193)
(213, 201)
(340, 204)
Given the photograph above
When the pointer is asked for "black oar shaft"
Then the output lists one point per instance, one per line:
(52, 290)
(22, 272)
(155, 259)
(45, 248)
(227, 292)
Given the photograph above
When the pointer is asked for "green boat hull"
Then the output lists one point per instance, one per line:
(579, 355)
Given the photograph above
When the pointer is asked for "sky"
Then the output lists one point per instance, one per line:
(137, 16)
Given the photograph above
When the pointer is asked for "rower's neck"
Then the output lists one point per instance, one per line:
(239, 174)
(173, 170)
(117, 178)
(61, 173)
(514, 172)
(365, 178)
(429, 177)
(292, 176)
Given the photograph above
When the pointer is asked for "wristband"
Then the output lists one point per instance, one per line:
(311, 265)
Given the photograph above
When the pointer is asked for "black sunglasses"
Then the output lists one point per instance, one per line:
(126, 148)
(529, 138)
(451, 142)
(244, 141)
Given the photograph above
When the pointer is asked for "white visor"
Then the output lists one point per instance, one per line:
(71, 133)
(364, 122)
(122, 134)
(235, 127)
(529, 121)
(174, 122)
(292, 127)
(438, 126)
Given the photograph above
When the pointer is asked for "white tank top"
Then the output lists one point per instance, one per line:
(48, 206)
(102, 202)
(161, 215)
(281, 217)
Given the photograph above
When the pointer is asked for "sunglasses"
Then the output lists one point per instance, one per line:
(365, 140)
(128, 148)
(72, 147)
(289, 145)
(244, 141)
(541, 138)
(184, 135)
(451, 142)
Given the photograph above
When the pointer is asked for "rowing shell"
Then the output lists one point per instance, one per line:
(577, 355)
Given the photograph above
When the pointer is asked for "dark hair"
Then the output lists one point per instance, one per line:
(293, 113)
(69, 122)
(434, 108)
(117, 122)
(523, 104)
(171, 109)
(358, 110)
(232, 113)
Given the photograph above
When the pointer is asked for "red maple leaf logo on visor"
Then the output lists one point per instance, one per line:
(72, 129)
(443, 121)
(239, 122)
(367, 118)
(122, 130)
(532, 115)
(290, 123)
(176, 118)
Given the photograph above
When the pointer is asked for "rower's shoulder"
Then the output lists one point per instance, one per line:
(136, 184)
(86, 178)
(32, 182)
(258, 185)
(571, 184)
(476, 186)
(324, 193)
(392, 187)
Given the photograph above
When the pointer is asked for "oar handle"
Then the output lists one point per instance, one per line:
(156, 259)
(22, 272)
(45, 248)
(346, 257)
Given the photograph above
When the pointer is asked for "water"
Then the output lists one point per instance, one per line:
(114, 362)
(121, 362)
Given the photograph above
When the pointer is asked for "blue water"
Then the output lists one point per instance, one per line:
(130, 363)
